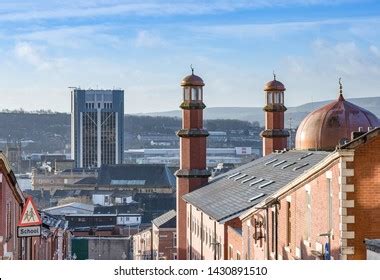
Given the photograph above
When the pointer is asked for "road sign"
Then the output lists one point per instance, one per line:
(29, 216)
(28, 231)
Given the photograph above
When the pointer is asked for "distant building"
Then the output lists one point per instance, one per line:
(142, 178)
(170, 157)
(101, 248)
(51, 181)
(13, 152)
(97, 125)
(142, 245)
(158, 242)
(64, 164)
(136, 178)
(165, 236)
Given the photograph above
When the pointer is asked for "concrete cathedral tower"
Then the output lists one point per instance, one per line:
(275, 135)
(193, 173)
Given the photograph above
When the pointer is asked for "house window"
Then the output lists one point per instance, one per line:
(230, 252)
(289, 224)
(238, 257)
(174, 240)
(9, 221)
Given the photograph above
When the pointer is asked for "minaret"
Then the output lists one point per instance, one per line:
(275, 135)
(192, 173)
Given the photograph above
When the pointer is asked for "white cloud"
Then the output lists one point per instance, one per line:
(31, 55)
(149, 39)
(72, 37)
(34, 55)
(282, 28)
(375, 50)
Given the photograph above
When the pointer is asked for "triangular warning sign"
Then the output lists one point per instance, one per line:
(29, 216)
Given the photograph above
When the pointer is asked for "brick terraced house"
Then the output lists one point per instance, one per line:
(11, 203)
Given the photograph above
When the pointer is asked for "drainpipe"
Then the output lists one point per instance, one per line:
(215, 246)
(276, 229)
(191, 233)
(202, 236)
(267, 232)
(151, 243)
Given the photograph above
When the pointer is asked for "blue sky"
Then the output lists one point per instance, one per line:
(146, 47)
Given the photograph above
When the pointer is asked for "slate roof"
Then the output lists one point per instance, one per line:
(86, 181)
(231, 193)
(373, 245)
(154, 175)
(76, 205)
(37, 194)
(66, 193)
(166, 220)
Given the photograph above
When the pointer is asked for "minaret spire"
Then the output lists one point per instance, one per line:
(341, 98)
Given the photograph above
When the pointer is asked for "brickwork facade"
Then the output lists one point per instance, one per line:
(164, 243)
(362, 190)
(327, 213)
(11, 203)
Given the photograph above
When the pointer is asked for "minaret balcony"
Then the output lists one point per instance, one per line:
(192, 173)
(275, 133)
(193, 132)
(275, 107)
(190, 104)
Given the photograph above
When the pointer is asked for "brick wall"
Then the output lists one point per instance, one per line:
(235, 243)
(303, 236)
(166, 244)
(10, 212)
(366, 196)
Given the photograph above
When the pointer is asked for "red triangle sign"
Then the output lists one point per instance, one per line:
(29, 216)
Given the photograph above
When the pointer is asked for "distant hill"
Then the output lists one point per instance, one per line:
(50, 132)
(297, 114)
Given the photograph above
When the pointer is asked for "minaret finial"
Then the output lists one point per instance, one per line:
(274, 75)
(192, 69)
(340, 89)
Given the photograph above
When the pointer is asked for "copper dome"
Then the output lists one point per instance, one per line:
(331, 125)
(274, 86)
(192, 80)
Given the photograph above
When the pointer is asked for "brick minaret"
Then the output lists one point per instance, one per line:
(192, 173)
(275, 135)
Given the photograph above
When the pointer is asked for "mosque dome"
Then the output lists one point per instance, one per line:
(192, 80)
(332, 124)
(274, 86)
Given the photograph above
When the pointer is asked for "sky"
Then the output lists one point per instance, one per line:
(147, 47)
